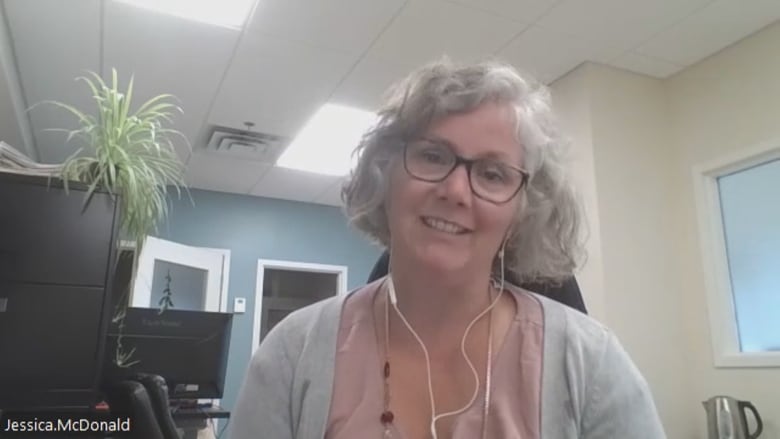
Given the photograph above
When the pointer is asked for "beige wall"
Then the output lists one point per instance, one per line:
(628, 191)
(635, 159)
(727, 102)
(572, 104)
(636, 141)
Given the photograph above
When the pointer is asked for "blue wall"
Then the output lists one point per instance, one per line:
(253, 228)
(750, 204)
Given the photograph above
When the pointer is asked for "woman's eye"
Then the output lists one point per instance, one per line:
(494, 174)
(433, 156)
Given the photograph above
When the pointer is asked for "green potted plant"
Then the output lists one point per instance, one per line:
(130, 154)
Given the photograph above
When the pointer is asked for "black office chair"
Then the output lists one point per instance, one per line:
(144, 398)
(568, 293)
(130, 398)
(157, 389)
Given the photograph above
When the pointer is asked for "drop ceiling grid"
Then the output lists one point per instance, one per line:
(168, 54)
(521, 10)
(208, 171)
(718, 25)
(331, 195)
(297, 54)
(346, 26)
(51, 50)
(549, 54)
(277, 84)
(426, 29)
(292, 184)
(621, 23)
(422, 31)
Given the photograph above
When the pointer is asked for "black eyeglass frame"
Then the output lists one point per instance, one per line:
(468, 163)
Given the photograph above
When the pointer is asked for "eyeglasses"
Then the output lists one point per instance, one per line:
(491, 180)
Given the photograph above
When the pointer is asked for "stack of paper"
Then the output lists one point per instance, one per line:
(12, 160)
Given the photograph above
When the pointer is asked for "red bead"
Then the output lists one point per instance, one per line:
(387, 369)
(387, 417)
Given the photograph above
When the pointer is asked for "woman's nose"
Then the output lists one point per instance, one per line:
(456, 186)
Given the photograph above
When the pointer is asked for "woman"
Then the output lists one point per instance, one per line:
(461, 178)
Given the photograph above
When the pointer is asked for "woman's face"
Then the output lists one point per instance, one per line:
(443, 226)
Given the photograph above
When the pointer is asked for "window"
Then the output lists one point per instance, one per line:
(750, 207)
(739, 216)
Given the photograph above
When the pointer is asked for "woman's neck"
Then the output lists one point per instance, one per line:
(438, 306)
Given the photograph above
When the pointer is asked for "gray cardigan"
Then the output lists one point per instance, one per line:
(590, 387)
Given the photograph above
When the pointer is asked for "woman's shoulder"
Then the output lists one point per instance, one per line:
(567, 325)
(575, 338)
(604, 389)
(607, 390)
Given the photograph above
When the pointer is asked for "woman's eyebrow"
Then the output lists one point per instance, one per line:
(441, 140)
(493, 154)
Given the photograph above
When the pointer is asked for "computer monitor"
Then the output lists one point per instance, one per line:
(189, 349)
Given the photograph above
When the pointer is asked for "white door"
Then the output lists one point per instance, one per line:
(294, 285)
(192, 278)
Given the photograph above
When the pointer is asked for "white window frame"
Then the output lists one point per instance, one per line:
(157, 248)
(720, 299)
(263, 264)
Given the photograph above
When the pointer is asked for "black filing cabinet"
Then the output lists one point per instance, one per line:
(56, 263)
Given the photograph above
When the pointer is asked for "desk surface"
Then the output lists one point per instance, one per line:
(180, 413)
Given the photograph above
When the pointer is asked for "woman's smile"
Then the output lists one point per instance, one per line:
(444, 226)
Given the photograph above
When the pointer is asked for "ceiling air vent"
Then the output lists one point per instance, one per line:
(245, 144)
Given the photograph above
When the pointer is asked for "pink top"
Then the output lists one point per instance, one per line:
(515, 390)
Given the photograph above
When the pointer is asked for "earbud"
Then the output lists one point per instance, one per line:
(391, 291)
(501, 250)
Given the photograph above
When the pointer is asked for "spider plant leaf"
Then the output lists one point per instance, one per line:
(72, 110)
(90, 193)
(128, 153)
(151, 102)
(125, 110)
(90, 84)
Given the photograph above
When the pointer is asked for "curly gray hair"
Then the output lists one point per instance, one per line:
(544, 242)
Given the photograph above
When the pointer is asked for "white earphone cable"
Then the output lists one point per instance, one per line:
(394, 300)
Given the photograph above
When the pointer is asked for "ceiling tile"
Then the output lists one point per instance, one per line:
(620, 23)
(367, 83)
(332, 195)
(714, 27)
(168, 54)
(343, 25)
(548, 54)
(526, 11)
(52, 49)
(427, 29)
(277, 84)
(646, 65)
(291, 184)
(205, 171)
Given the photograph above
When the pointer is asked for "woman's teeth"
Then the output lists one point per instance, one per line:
(444, 226)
